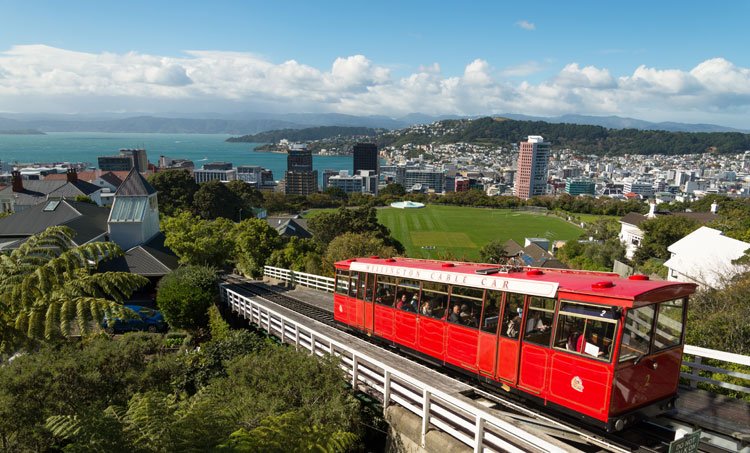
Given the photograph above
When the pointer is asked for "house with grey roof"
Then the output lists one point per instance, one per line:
(25, 193)
(631, 234)
(132, 223)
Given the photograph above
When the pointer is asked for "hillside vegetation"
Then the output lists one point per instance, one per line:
(584, 138)
(302, 135)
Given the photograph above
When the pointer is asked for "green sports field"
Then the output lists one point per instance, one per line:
(435, 230)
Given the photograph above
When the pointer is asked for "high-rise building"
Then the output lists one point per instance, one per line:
(140, 160)
(531, 175)
(300, 178)
(125, 161)
(580, 186)
(365, 157)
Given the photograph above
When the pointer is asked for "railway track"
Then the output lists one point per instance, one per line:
(643, 437)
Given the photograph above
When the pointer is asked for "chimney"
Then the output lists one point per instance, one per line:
(651, 210)
(714, 207)
(71, 175)
(17, 181)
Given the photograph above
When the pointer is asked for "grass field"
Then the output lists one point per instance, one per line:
(435, 230)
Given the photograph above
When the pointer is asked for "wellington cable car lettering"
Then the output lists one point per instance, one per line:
(541, 288)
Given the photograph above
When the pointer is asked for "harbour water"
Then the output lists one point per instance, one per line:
(200, 148)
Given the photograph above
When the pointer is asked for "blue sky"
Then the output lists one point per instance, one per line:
(653, 60)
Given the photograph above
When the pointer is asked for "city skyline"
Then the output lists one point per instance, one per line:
(657, 62)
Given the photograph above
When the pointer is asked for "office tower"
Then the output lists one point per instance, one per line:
(531, 174)
(300, 178)
(365, 157)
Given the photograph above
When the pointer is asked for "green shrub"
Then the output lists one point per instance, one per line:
(185, 295)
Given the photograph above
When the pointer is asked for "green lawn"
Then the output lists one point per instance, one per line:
(434, 230)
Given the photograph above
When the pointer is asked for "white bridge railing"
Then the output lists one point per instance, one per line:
(465, 422)
(697, 371)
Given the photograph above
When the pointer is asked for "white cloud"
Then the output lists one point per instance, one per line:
(41, 78)
(526, 25)
(523, 69)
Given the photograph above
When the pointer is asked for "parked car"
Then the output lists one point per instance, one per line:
(148, 320)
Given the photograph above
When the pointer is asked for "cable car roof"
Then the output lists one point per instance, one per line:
(588, 286)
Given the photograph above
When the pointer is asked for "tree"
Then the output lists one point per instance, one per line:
(494, 252)
(394, 190)
(176, 190)
(255, 240)
(247, 197)
(185, 295)
(593, 256)
(329, 225)
(47, 283)
(716, 317)
(298, 255)
(213, 200)
(198, 241)
(352, 245)
(661, 232)
(84, 199)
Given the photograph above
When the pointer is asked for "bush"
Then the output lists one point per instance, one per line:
(185, 295)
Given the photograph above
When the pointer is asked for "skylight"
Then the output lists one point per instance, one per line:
(51, 205)
(128, 209)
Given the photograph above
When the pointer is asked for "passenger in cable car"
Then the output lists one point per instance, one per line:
(455, 316)
(467, 318)
(514, 325)
(535, 323)
(426, 309)
(402, 302)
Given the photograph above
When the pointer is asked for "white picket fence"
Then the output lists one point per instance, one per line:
(693, 360)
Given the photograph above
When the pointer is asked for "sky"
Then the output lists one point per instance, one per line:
(686, 61)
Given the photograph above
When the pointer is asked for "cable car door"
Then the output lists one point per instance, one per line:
(365, 295)
(509, 333)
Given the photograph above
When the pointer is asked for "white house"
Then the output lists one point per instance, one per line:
(705, 257)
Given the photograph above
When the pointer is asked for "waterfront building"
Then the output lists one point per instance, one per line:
(531, 173)
(425, 179)
(125, 161)
(580, 186)
(204, 175)
(365, 157)
(300, 178)
(223, 166)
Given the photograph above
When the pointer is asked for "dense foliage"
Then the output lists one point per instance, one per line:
(303, 135)
(176, 189)
(126, 394)
(48, 283)
(584, 138)
(184, 296)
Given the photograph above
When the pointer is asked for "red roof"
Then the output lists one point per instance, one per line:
(582, 285)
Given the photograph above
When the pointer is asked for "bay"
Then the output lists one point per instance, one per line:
(200, 148)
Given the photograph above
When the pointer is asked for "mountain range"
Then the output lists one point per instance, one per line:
(253, 123)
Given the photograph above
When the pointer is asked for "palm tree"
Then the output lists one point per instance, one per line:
(48, 282)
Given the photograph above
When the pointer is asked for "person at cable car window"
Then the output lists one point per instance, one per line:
(455, 316)
(426, 309)
(514, 325)
(535, 323)
(401, 302)
(467, 318)
(414, 303)
(584, 346)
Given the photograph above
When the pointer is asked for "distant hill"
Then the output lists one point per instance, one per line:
(303, 135)
(254, 122)
(584, 138)
(21, 132)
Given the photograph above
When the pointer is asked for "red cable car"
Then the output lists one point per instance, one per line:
(603, 348)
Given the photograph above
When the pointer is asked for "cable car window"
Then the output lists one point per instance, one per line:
(342, 282)
(353, 284)
(465, 306)
(539, 320)
(512, 316)
(364, 291)
(434, 299)
(407, 295)
(669, 324)
(637, 332)
(587, 330)
(491, 313)
(385, 291)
